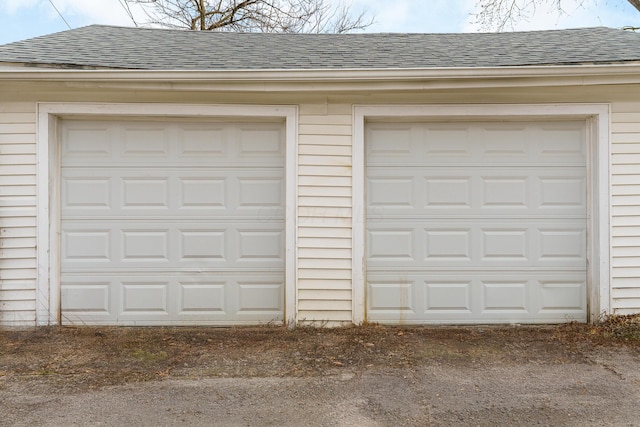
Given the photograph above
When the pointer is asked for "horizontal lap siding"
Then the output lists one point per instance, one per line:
(324, 214)
(625, 208)
(17, 214)
(324, 265)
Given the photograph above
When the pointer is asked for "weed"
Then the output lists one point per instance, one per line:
(148, 356)
(624, 327)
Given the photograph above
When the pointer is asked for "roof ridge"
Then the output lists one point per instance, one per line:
(186, 30)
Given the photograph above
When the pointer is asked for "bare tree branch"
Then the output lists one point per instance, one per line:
(127, 9)
(635, 3)
(499, 15)
(290, 16)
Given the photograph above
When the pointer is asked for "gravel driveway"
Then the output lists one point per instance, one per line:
(374, 376)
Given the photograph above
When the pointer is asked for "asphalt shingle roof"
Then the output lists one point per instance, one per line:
(99, 46)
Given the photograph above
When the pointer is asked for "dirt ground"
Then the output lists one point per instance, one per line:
(569, 374)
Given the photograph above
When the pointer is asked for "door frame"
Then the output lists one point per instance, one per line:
(597, 119)
(48, 308)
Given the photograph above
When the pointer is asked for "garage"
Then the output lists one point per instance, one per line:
(475, 221)
(171, 221)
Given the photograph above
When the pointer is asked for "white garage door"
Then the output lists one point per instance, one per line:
(172, 222)
(476, 222)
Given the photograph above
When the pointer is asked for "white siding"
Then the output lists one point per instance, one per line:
(625, 208)
(17, 213)
(324, 209)
(324, 282)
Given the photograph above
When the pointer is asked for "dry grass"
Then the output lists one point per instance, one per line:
(624, 328)
(88, 357)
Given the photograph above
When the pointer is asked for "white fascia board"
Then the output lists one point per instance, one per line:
(394, 78)
(4, 67)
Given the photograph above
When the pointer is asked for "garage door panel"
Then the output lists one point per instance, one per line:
(505, 140)
(405, 136)
(260, 296)
(476, 222)
(188, 298)
(200, 244)
(140, 192)
(148, 192)
(441, 192)
(203, 141)
(392, 297)
(90, 244)
(86, 299)
(204, 244)
(480, 144)
(258, 244)
(202, 297)
(145, 297)
(91, 297)
(238, 143)
(476, 296)
(567, 245)
(506, 243)
(449, 142)
(87, 141)
(563, 295)
(144, 245)
(562, 192)
(562, 141)
(259, 141)
(392, 244)
(448, 244)
(197, 192)
(407, 142)
(259, 192)
(505, 296)
(504, 192)
(512, 191)
(172, 143)
(172, 222)
(143, 141)
(448, 296)
(391, 192)
(87, 192)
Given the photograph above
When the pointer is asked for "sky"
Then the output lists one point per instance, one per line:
(23, 19)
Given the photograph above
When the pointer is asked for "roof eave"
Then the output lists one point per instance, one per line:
(269, 79)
